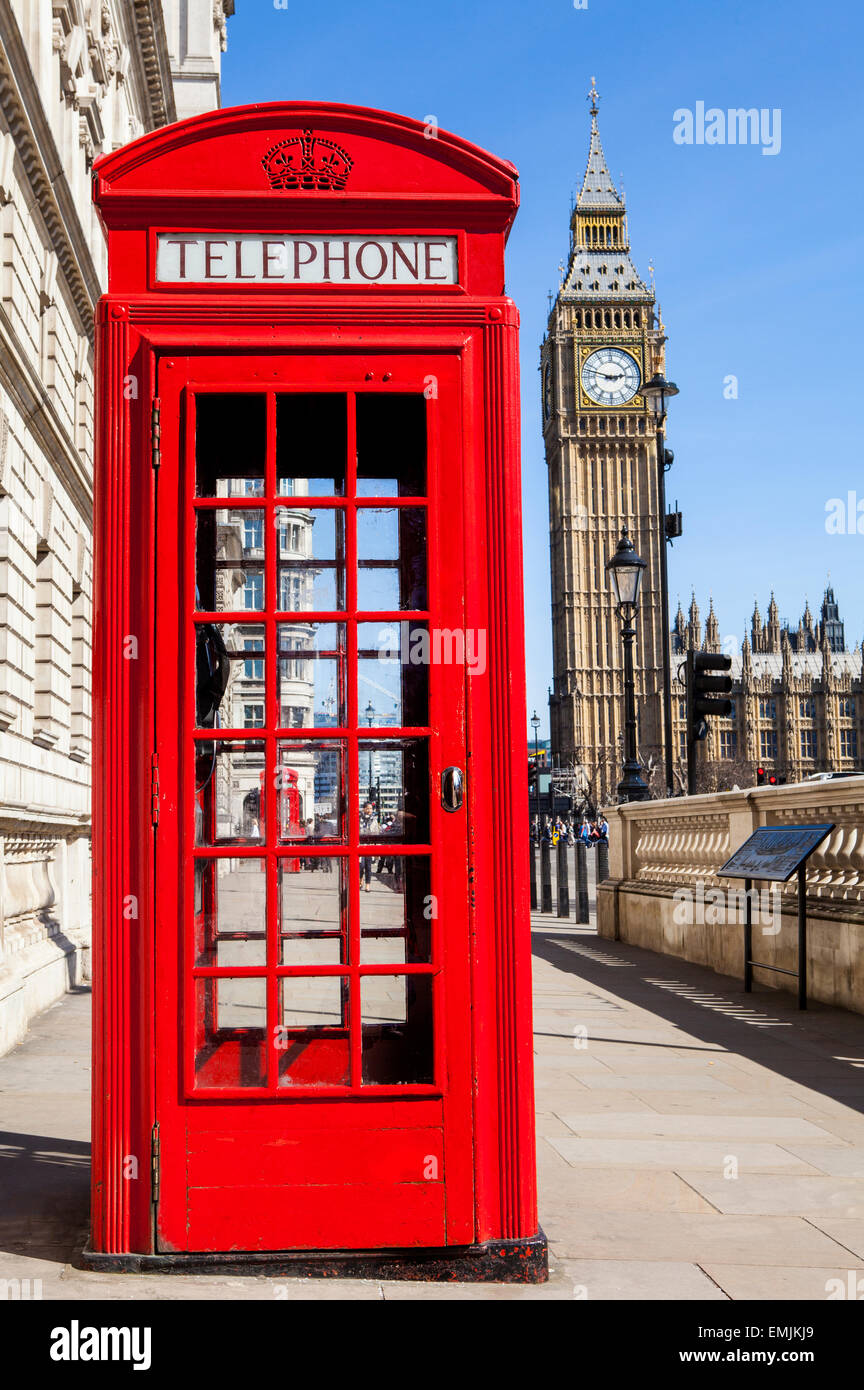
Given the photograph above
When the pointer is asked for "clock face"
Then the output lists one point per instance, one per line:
(610, 376)
(547, 393)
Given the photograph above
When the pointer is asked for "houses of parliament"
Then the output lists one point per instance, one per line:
(797, 697)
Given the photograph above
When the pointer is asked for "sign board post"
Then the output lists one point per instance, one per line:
(775, 853)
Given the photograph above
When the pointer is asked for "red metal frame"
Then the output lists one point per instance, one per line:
(206, 173)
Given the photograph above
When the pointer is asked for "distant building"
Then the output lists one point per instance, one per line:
(798, 700)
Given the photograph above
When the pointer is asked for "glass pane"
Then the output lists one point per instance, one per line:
(310, 782)
(397, 1029)
(311, 558)
(312, 1035)
(393, 673)
(229, 560)
(311, 444)
(229, 781)
(391, 558)
(230, 1032)
(396, 911)
(229, 675)
(311, 687)
(230, 436)
(230, 912)
(394, 782)
(313, 908)
(391, 446)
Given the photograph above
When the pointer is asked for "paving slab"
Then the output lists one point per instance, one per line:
(761, 1194)
(782, 1282)
(673, 1154)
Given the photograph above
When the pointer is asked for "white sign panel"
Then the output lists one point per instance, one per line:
(306, 260)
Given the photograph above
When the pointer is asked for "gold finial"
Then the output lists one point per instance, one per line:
(594, 97)
(651, 275)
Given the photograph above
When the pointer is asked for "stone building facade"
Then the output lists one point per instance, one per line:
(798, 698)
(77, 78)
(604, 338)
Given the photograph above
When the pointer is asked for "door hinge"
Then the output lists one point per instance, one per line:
(154, 789)
(154, 1164)
(156, 432)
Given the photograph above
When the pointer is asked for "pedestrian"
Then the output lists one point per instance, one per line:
(603, 828)
(369, 828)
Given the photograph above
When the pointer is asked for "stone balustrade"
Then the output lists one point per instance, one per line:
(664, 894)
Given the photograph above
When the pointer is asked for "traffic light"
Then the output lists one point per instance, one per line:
(760, 776)
(703, 691)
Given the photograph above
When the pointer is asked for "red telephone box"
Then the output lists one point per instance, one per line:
(313, 1040)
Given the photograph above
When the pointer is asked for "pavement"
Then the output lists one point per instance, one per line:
(694, 1143)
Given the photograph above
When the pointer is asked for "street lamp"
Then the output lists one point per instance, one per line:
(657, 391)
(626, 569)
(535, 720)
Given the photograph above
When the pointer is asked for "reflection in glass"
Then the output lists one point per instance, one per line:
(396, 914)
(396, 1030)
(311, 550)
(310, 783)
(230, 912)
(229, 560)
(311, 444)
(391, 558)
(391, 445)
(231, 1032)
(229, 782)
(313, 906)
(229, 675)
(312, 1036)
(393, 673)
(311, 688)
(230, 432)
(394, 777)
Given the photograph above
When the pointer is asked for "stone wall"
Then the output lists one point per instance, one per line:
(77, 78)
(664, 893)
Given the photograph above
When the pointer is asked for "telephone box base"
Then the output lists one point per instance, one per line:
(494, 1262)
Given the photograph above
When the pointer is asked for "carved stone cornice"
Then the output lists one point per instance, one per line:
(21, 104)
(154, 61)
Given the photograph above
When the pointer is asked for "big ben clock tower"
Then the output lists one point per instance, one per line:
(603, 342)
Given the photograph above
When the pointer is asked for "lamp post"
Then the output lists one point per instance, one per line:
(626, 569)
(535, 720)
(656, 392)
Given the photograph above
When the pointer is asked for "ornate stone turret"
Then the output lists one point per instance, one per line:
(772, 627)
(756, 628)
(694, 627)
(679, 631)
(712, 630)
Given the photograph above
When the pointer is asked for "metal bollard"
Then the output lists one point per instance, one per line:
(563, 884)
(532, 856)
(545, 876)
(583, 914)
(602, 861)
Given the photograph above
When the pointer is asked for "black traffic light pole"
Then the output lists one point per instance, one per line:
(703, 690)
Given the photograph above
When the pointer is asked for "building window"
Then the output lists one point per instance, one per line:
(728, 743)
(767, 709)
(253, 670)
(847, 707)
(733, 712)
(808, 744)
(293, 716)
(848, 743)
(253, 532)
(253, 716)
(682, 709)
(807, 709)
(767, 744)
(253, 592)
(682, 746)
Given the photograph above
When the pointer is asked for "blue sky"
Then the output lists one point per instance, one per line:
(758, 258)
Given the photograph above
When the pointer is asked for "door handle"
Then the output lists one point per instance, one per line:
(452, 788)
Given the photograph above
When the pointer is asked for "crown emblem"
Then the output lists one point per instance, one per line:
(308, 162)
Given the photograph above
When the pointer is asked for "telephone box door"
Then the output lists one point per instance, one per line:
(312, 951)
